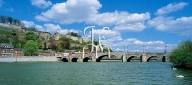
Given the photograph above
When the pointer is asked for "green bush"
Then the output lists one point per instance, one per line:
(182, 55)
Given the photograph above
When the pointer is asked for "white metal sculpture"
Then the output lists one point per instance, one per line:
(100, 45)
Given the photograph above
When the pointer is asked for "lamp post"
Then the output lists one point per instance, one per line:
(165, 49)
(143, 48)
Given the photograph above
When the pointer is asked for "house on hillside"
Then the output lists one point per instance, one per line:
(18, 52)
(6, 49)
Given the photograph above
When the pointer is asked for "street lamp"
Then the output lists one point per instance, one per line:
(165, 49)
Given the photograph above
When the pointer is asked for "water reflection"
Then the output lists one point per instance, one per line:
(102, 73)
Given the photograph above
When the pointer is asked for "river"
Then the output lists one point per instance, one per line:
(89, 73)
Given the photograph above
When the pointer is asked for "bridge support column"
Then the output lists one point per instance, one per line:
(93, 58)
(144, 58)
(80, 59)
(167, 59)
(69, 58)
(124, 58)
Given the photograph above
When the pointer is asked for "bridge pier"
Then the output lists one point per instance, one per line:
(167, 59)
(80, 59)
(93, 58)
(124, 58)
(69, 58)
(144, 58)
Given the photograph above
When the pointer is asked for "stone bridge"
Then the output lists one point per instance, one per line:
(124, 56)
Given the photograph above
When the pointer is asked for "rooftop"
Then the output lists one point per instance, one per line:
(6, 45)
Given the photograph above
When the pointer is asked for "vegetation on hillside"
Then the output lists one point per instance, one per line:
(10, 20)
(21, 39)
(31, 48)
(182, 55)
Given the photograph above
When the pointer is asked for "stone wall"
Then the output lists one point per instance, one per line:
(9, 27)
(29, 59)
(44, 35)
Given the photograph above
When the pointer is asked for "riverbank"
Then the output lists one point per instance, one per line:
(28, 59)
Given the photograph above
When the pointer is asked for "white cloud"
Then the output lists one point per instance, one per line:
(134, 41)
(32, 24)
(52, 28)
(86, 11)
(106, 33)
(135, 45)
(118, 49)
(130, 27)
(70, 11)
(118, 18)
(171, 8)
(28, 23)
(39, 28)
(112, 42)
(41, 3)
(181, 26)
(41, 18)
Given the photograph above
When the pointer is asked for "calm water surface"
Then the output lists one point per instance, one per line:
(102, 73)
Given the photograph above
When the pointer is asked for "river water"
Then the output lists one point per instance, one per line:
(89, 73)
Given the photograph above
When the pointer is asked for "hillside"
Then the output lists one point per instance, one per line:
(16, 35)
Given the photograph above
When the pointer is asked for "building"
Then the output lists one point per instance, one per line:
(18, 52)
(6, 49)
(46, 53)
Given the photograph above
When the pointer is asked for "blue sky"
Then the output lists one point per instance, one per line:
(132, 23)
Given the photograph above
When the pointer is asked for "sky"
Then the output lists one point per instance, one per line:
(134, 24)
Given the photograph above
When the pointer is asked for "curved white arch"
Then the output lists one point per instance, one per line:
(92, 35)
(83, 52)
(109, 55)
(99, 40)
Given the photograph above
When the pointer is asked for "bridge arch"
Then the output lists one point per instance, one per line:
(100, 57)
(163, 58)
(86, 59)
(64, 60)
(129, 58)
(150, 58)
(74, 59)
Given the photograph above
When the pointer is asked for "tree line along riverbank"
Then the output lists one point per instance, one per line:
(181, 56)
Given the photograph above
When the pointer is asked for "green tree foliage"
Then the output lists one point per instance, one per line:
(3, 19)
(39, 42)
(31, 48)
(73, 34)
(65, 43)
(59, 48)
(10, 20)
(182, 54)
(32, 29)
(30, 36)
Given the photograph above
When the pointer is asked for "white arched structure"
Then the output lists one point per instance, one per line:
(84, 50)
(92, 41)
(99, 40)
(92, 35)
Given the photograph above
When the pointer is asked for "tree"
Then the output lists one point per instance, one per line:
(10, 20)
(31, 48)
(32, 29)
(15, 21)
(182, 55)
(2, 18)
(30, 36)
(39, 42)
(65, 43)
